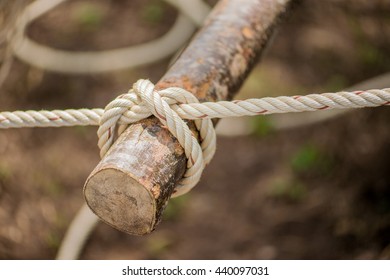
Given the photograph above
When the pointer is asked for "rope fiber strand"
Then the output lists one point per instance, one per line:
(172, 105)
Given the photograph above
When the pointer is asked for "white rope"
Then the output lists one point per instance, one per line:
(132, 111)
(55, 118)
(142, 102)
(196, 10)
(172, 105)
(289, 121)
(77, 234)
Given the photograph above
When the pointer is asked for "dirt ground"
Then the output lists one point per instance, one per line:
(313, 192)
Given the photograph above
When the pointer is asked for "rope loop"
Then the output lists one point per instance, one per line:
(142, 101)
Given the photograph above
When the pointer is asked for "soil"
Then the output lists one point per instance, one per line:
(313, 192)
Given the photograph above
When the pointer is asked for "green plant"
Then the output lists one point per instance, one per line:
(158, 244)
(153, 12)
(372, 56)
(53, 240)
(175, 207)
(369, 54)
(261, 126)
(336, 82)
(88, 15)
(48, 185)
(5, 171)
(310, 159)
(289, 189)
(82, 131)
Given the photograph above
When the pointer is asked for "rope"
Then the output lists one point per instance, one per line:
(77, 234)
(172, 105)
(142, 102)
(55, 118)
(192, 111)
(57, 60)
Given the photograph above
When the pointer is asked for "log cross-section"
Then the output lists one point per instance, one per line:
(132, 184)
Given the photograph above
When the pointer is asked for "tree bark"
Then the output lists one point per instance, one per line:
(132, 184)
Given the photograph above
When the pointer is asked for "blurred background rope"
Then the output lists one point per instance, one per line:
(51, 59)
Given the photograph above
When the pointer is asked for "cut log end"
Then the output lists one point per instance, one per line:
(121, 201)
(125, 189)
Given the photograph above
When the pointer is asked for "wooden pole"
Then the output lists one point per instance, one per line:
(132, 184)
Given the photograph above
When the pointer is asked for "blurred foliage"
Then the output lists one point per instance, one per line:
(289, 189)
(310, 159)
(81, 131)
(158, 244)
(175, 207)
(371, 56)
(153, 12)
(5, 171)
(53, 188)
(53, 237)
(261, 126)
(368, 53)
(269, 80)
(88, 15)
(53, 240)
(336, 82)
(48, 184)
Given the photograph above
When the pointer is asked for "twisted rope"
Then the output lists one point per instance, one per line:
(172, 105)
(143, 101)
(55, 118)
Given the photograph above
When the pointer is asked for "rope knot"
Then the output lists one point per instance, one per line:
(143, 101)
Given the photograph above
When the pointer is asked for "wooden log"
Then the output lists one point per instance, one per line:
(132, 184)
